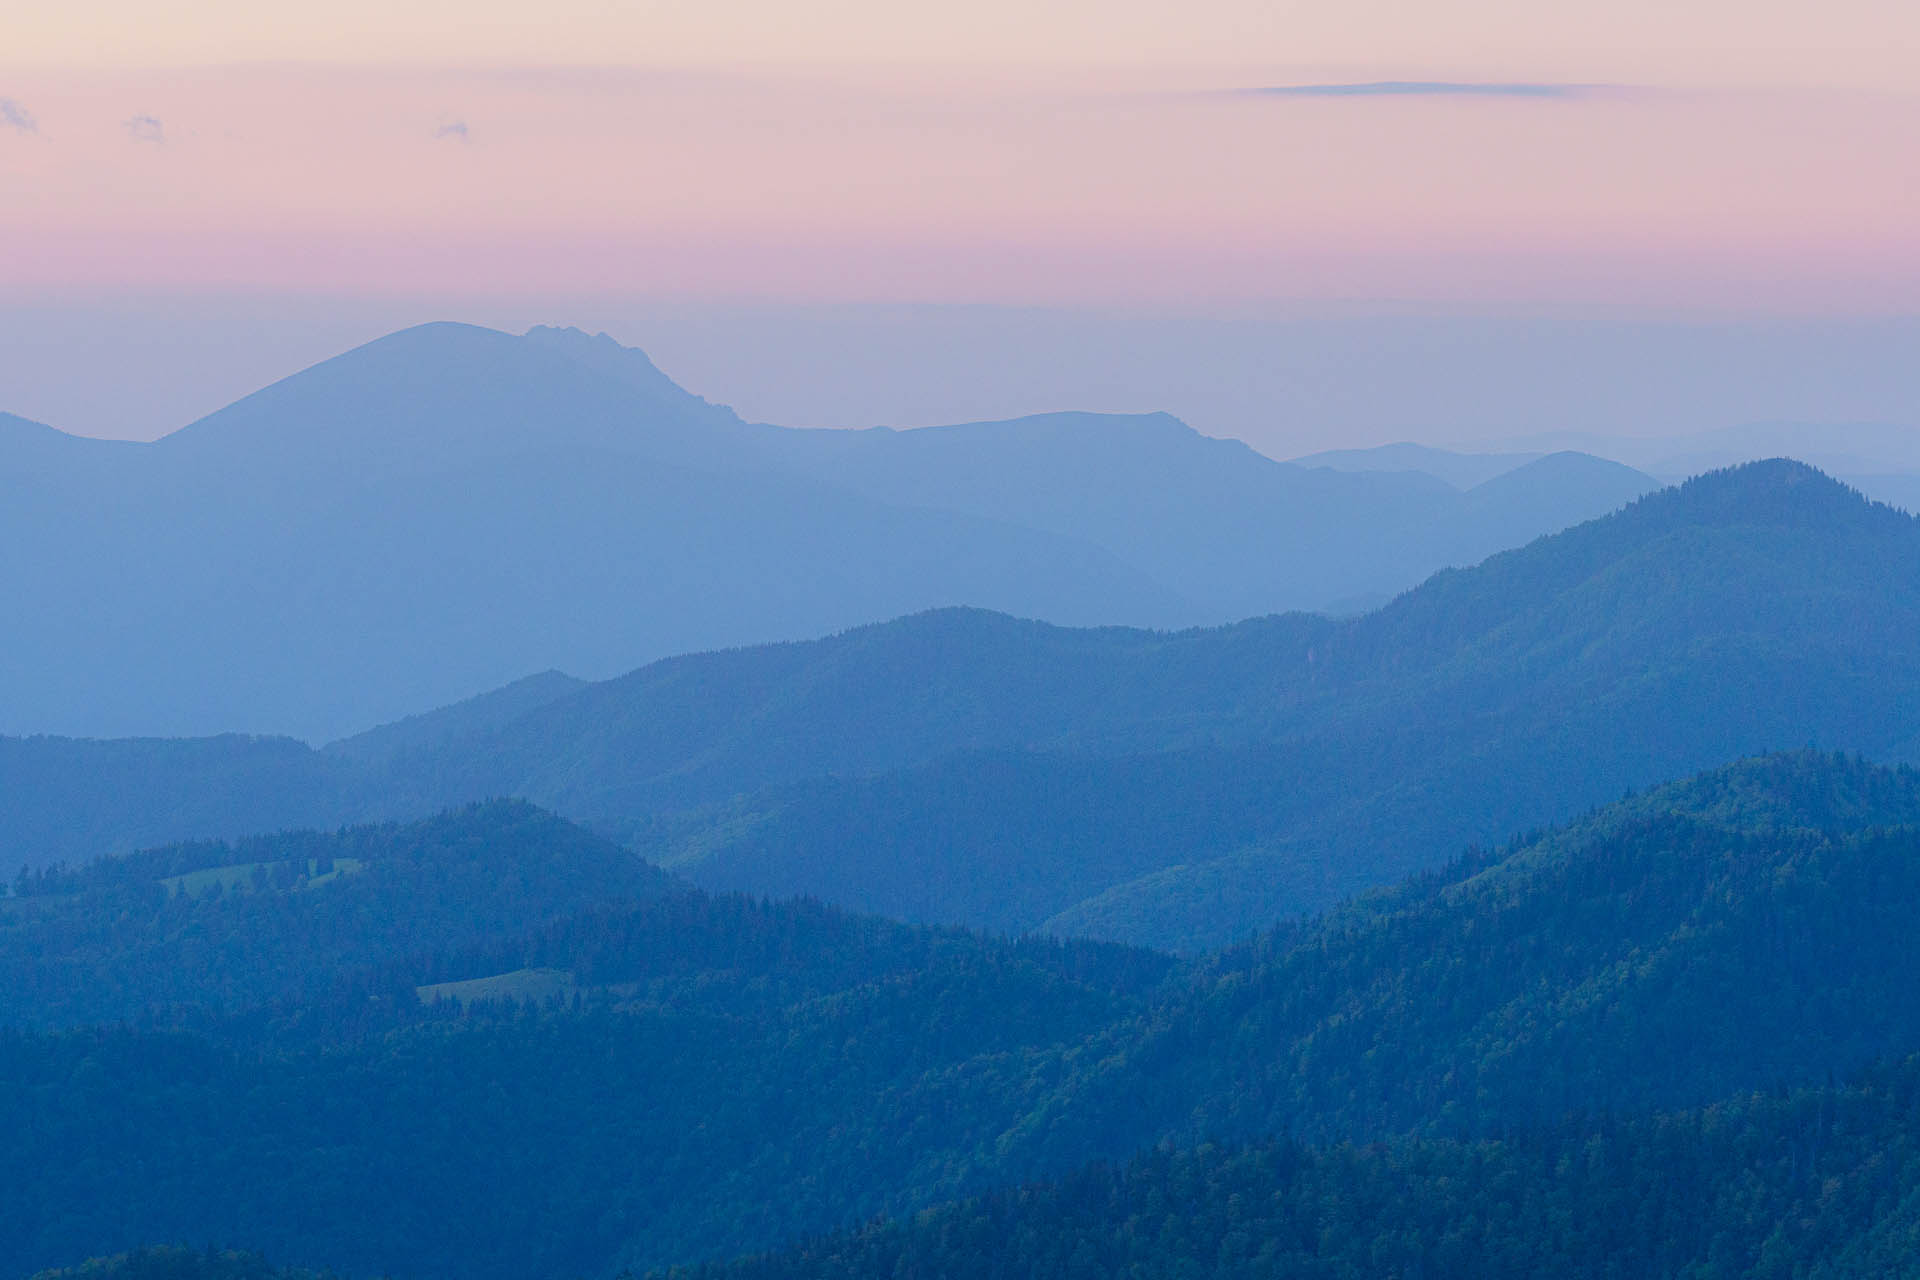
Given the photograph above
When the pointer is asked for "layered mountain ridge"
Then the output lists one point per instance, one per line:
(448, 508)
(1175, 789)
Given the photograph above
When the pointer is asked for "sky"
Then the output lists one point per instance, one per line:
(334, 168)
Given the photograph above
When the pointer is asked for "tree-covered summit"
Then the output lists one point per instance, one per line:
(213, 927)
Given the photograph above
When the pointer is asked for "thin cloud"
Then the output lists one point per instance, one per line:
(17, 117)
(1432, 89)
(457, 131)
(145, 129)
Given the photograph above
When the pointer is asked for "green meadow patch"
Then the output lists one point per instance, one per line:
(524, 985)
(242, 877)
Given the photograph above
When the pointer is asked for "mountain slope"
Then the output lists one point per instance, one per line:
(717, 1075)
(448, 508)
(1235, 531)
(1461, 470)
(211, 928)
(704, 727)
(1822, 1182)
(1748, 610)
(464, 720)
(445, 510)
(676, 1083)
(1727, 932)
(69, 801)
(439, 395)
(1185, 789)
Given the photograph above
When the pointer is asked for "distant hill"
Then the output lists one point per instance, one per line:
(70, 801)
(684, 1077)
(1184, 790)
(448, 508)
(871, 700)
(1177, 789)
(443, 510)
(1461, 470)
(1882, 460)
(1227, 527)
(214, 928)
(463, 721)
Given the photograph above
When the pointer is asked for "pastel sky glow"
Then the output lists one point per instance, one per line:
(1719, 155)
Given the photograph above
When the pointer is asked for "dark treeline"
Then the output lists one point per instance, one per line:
(1821, 1182)
(176, 1262)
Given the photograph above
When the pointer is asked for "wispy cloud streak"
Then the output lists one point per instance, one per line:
(1430, 89)
(457, 131)
(145, 129)
(17, 117)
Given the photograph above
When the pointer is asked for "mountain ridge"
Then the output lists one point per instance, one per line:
(368, 537)
(1174, 788)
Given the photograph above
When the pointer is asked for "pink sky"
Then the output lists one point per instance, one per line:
(1759, 156)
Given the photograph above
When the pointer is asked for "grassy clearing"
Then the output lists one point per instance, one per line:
(238, 877)
(528, 985)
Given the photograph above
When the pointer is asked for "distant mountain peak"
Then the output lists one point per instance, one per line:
(1770, 491)
(604, 354)
(446, 390)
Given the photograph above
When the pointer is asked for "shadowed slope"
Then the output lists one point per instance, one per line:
(1747, 610)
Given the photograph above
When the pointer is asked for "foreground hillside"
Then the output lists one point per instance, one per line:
(1820, 1182)
(1817, 1182)
(175, 1262)
(684, 1077)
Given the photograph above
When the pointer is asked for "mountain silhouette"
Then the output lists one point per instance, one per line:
(447, 508)
(1182, 789)
(1175, 788)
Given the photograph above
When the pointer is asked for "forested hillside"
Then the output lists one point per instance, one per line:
(176, 1262)
(669, 1080)
(686, 1077)
(1721, 934)
(189, 931)
(1819, 1182)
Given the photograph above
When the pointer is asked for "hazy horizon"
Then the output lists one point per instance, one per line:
(1289, 379)
(1309, 228)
